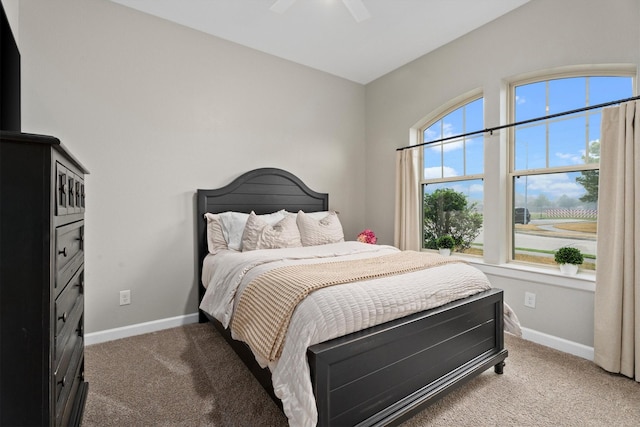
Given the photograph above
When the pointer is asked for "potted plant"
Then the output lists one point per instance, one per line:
(445, 244)
(569, 259)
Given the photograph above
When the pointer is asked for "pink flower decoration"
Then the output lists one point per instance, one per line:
(367, 236)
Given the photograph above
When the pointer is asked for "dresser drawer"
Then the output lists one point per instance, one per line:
(69, 252)
(61, 189)
(79, 194)
(68, 310)
(66, 376)
(70, 197)
(66, 410)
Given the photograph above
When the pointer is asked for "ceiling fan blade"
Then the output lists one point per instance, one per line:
(357, 9)
(281, 6)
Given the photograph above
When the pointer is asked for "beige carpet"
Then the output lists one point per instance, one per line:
(189, 376)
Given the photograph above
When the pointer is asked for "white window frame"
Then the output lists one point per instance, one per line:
(512, 173)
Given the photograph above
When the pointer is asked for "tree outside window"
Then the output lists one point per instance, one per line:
(452, 178)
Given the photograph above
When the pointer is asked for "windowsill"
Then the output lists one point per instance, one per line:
(584, 281)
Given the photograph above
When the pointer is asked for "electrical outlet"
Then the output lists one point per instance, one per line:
(530, 299)
(125, 297)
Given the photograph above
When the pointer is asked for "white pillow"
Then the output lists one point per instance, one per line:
(258, 234)
(215, 237)
(319, 231)
(233, 226)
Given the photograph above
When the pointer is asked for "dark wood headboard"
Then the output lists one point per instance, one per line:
(263, 191)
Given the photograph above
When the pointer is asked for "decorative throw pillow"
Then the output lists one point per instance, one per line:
(215, 237)
(319, 231)
(258, 234)
(233, 226)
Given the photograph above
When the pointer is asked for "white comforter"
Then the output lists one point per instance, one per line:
(329, 312)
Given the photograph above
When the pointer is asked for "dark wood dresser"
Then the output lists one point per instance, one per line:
(41, 282)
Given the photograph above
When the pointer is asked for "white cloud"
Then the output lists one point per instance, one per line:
(476, 188)
(437, 172)
(555, 185)
(447, 146)
(573, 158)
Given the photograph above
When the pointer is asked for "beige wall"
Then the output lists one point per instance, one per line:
(541, 35)
(155, 111)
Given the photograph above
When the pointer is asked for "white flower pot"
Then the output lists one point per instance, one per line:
(445, 251)
(569, 269)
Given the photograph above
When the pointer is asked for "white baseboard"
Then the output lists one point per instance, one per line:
(557, 343)
(139, 329)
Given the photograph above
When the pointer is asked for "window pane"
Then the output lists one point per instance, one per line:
(531, 101)
(453, 159)
(567, 142)
(605, 89)
(433, 161)
(567, 94)
(551, 210)
(554, 210)
(433, 132)
(531, 147)
(474, 116)
(456, 157)
(454, 208)
(474, 156)
(453, 123)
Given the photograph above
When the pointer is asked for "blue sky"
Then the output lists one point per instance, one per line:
(558, 142)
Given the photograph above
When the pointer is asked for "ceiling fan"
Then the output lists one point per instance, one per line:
(356, 7)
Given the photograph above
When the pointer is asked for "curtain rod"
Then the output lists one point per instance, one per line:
(523, 122)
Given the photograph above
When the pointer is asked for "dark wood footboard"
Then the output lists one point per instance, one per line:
(387, 373)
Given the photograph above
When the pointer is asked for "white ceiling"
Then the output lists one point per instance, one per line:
(323, 34)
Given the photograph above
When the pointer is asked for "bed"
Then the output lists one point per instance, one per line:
(379, 375)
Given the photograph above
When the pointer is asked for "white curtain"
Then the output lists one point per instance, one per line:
(407, 217)
(617, 298)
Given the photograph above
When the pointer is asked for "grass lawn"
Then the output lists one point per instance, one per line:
(545, 257)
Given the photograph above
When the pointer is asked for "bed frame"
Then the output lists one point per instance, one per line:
(384, 374)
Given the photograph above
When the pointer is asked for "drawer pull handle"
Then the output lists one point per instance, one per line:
(63, 381)
(63, 252)
(63, 317)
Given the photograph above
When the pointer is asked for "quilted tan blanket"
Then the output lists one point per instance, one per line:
(265, 307)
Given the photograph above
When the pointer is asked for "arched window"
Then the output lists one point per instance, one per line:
(452, 178)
